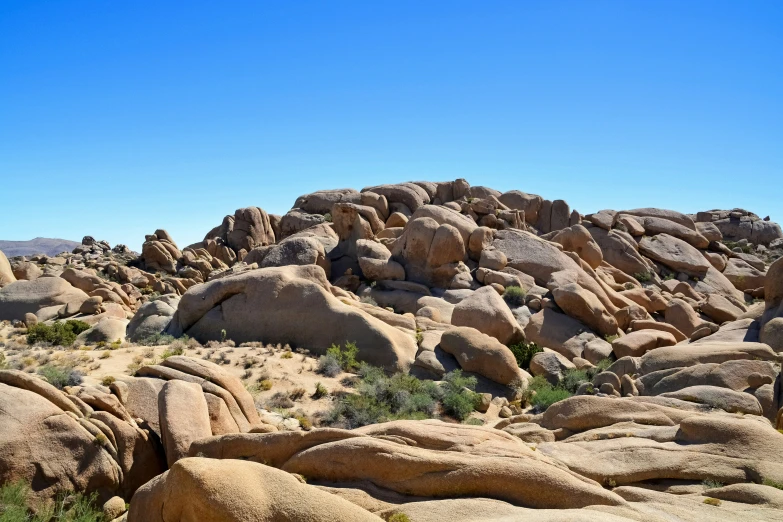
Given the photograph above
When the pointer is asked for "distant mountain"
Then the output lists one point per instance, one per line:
(39, 245)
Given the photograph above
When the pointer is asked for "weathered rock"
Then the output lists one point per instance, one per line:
(49, 448)
(261, 305)
(681, 356)
(636, 344)
(717, 397)
(22, 297)
(209, 490)
(480, 353)
(487, 312)
(560, 332)
(736, 375)
(184, 417)
(675, 254)
(743, 275)
(550, 365)
(6, 272)
(152, 318)
(772, 320)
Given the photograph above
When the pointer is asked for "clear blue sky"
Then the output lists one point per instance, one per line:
(117, 118)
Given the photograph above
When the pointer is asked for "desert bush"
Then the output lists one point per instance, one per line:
(320, 391)
(398, 517)
(106, 381)
(514, 296)
(156, 339)
(59, 376)
(56, 334)
(173, 349)
(279, 400)
(338, 359)
(711, 484)
(380, 398)
(524, 352)
(712, 501)
(459, 399)
(297, 394)
(643, 277)
(541, 394)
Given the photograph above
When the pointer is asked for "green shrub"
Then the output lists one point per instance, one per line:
(712, 501)
(524, 352)
(60, 377)
(56, 334)
(643, 277)
(338, 359)
(17, 505)
(459, 399)
(573, 378)
(328, 217)
(172, 350)
(514, 296)
(541, 394)
(711, 484)
(320, 391)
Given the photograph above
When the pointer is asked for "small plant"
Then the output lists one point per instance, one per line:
(320, 391)
(712, 501)
(296, 394)
(223, 336)
(105, 355)
(711, 484)
(156, 340)
(304, 422)
(610, 482)
(398, 517)
(280, 400)
(101, 439)
(265, 385)
(611, 338)
(514, 296)
(108, 380)
(643, 277)
(474, 422)
(419, 336)
(524, 352)
(288, 354)
(56, 334)
(541, 394)
(328, 217)
(60, 377)
(172, 350)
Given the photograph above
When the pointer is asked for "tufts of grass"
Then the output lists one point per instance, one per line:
(18, 505)
(712, 501)
(711, 484)
(772, 483)
(320, 391)
(514, 296)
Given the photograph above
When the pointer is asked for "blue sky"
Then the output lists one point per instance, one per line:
(117, 118)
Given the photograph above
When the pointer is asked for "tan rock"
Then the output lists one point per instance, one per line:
(480, 353)
(486, 311)
(184, 417)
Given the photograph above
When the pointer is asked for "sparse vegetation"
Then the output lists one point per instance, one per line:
(611, 338)
(711, 484)
(338, 359)
(643, 277)
(381, 398)
(772, 483)
(712, 501)
(541, 394)
(157, 339)
(18, 505)
(108, 380)
(398, 517)
(514, 296)
(524, 352)
(56, 334)
(320, 391)
(59, 376)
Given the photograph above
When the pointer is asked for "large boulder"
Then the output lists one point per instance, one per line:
(23, 297)
(772, 320)
(577, 239)
(488, 313)
(184, 417)
(737, 375)
(564, 334)
(6, 272)
(675, 254)
(210, 490)
(251, 228)
(743, 275)
(291, 305)
(152, 318)
(681, 356)
(479, 353)
(620, 250)
(51, 449)
(656, 225)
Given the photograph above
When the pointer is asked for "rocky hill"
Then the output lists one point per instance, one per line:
(422, 351)
(39, 245)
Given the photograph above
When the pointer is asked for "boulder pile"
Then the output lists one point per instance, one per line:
(628, 362)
